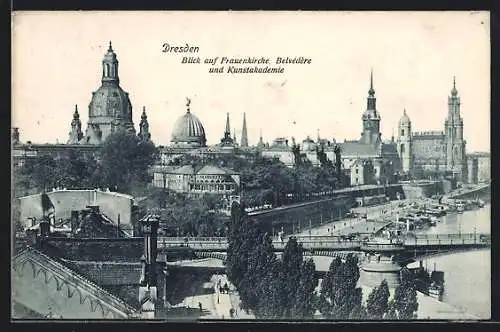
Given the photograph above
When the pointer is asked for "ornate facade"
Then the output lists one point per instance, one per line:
(110, 108)
(438, 151)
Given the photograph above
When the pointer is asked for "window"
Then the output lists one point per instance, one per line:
(402, 132)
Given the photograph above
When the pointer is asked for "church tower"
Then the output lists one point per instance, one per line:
(404, 143)
(455, 144)
(244, 135)
(371, 118)
(76, 133)
(227, 140)
(144, 126)
(110, 108)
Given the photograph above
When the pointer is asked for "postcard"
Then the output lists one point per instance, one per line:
(250, 166)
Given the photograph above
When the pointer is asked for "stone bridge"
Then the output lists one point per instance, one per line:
(420, 243)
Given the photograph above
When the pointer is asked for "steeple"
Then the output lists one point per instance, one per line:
(371, 92)
(76, 133)
(244, 135)
(144, 126)
(110, 67)
(228, 128)
(371, 101)
(227, 140)
(454, 91)
(234, 136)
(261, 141)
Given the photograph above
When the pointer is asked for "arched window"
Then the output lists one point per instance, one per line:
(106, 70)
(402, 149)
(402, 132)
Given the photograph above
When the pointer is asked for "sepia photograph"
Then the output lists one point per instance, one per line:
(250, 166)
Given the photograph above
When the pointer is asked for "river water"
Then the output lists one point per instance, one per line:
(467, 274)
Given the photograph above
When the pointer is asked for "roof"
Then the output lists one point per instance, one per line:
(108, 272)
(76, 279)
(186, 169)
(389, 148)
(69, 191)
(215, 170)
(357, 149)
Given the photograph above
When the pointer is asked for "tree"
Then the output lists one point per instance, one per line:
(261, 260)
(304, 302)
(125, 160)
(405, 297)
(377, 303)
(240, 243)
(339, 295)
(292, 260)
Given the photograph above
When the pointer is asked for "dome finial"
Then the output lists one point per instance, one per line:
(454, 90)
(188, 102)
(404, 111)
(144, 116)
(76, 115)
(110, 48)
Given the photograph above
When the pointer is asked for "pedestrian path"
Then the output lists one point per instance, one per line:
(224, 302)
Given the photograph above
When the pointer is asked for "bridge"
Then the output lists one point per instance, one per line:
(410, 244)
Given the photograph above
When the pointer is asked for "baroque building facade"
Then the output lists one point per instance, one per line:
(436, 151)
(379, 160)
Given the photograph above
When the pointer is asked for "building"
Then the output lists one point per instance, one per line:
(81, 278)
(479, 164)
(435, 151)
(369, 149)
(472, 169)
(193, 180)
(109, 110)
(116, 207)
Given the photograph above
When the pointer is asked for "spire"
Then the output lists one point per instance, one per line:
(144, 126)
(110, 48)
(244, 135)
(188, 102)
(318, 135)
(76, 115)
(234, 136)
(454, 90)
(228, 128)
(76, 133)
(371, 101)
(371, 92)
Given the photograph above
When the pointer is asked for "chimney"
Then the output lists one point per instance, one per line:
(147, 291)
(44, 228)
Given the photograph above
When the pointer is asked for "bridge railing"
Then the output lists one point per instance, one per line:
(328, 244)
(446, 241)
(190, 239)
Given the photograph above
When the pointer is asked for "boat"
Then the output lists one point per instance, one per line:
(436, 288)
(460, 208)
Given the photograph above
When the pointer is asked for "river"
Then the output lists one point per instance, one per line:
(467, 274)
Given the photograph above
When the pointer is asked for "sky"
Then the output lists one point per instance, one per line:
(56, 63)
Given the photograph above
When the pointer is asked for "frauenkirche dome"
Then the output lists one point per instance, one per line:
(110, 107)
(188, 131)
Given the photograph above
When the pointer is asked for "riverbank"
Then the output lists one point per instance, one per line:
(377, 218)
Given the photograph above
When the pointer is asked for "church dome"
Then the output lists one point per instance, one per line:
(110, 108)
(188, 130)
(112, 102)
(404, 119)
